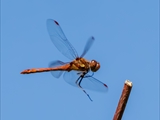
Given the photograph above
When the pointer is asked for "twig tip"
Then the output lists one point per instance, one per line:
(129, 83)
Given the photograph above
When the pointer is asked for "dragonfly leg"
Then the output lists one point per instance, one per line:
(78, 82)
(89, 75)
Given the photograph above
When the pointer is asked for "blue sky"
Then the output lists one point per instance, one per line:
(126, 45)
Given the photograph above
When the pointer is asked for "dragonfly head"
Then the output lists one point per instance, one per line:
(94, 65)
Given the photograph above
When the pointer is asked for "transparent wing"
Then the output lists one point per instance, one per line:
(56, 74)
(88, 45)
(59, 39)
(90, 83)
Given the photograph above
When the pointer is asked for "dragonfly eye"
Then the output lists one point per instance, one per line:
(94, 65)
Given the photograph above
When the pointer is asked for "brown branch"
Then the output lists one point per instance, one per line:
(123, 100)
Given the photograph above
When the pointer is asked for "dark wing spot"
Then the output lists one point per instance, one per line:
(105, 85)
(92, 37)
(56, 22)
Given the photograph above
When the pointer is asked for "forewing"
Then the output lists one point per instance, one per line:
(59, 39)
(88, 45)
(90, 83)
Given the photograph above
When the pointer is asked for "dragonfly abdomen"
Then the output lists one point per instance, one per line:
(37, 70)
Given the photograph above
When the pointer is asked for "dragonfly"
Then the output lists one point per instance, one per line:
(76, 72)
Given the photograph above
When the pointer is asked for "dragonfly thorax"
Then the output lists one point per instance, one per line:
(94, 66)
(80, 64)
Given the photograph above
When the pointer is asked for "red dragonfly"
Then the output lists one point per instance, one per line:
(76, 71)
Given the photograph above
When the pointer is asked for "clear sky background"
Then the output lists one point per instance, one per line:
(126, 44)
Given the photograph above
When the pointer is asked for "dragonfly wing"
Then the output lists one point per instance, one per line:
(90, 83)
(70, 78)
(56, 74)
(88, 45)
(59, 39)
